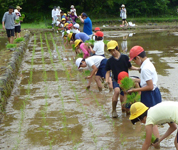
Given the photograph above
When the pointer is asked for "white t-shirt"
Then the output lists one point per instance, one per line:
(54, 13)
(94, 60)
(74, 10)
(164, 112)
(148, 72)
(99, 47)
(75, 31)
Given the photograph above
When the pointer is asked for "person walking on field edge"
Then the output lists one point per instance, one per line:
(123, 15)
(150, 94)
(165, 112)
(8, 24)
(116, 63)
(87, 28)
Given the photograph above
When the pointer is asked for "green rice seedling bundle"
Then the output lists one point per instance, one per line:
(87, 72)
(10, 46)
(80, 55)
(153, 138)
(65, 33)
(23, 16)
(105, 42)
(17, 21)
(19, 40)
(127, 83)
(133, 97)
(91, 42)
(73, 47)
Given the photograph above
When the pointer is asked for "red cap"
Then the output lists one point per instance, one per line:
(97, 29)
(70, 25)
(121, 76)
(135, 51)
(99, 33)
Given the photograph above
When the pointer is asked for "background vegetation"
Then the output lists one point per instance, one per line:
(41, 10)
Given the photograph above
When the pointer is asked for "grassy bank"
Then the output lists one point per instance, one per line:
(45, 23)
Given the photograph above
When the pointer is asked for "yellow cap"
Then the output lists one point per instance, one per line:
(70, 35)
(65, 14)
(111, 45)
(66, 24)
(136, 110)
(63, 19)
(77, 42)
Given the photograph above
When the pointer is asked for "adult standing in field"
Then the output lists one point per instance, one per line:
(87, 28)
(17, 24)
(123, 15)
(72, 9)
(19, 8)
(54, 16)
(58, 13)
(8, 23)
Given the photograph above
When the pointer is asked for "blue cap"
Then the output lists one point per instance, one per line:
(84, 15)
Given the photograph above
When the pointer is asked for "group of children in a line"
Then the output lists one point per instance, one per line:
(112, 71)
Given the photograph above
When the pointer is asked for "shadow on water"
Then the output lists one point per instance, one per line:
(63, 115)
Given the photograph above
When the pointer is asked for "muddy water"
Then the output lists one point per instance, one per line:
(49, 107)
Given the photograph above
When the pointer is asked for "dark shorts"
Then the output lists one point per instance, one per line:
(10, 32)
(101, 70)
(123, 19)
(177, 136)
(97, 55)
(151, 98)
(17, 29)
(115, 84)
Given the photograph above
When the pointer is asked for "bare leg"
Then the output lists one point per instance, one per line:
(114, 102)
(156, 133)
(11, 39)
(110, 85)
(175, 142)
(19, 35)
(15, 35)
(98, 82)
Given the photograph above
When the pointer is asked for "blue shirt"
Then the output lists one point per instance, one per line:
(87, 28)
(83, 36)
(8, 20)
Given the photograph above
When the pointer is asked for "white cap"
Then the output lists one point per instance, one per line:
(122, 5)
(78, 61)
(58, 7)
(16, 11)
(72, 6)
(76, 25)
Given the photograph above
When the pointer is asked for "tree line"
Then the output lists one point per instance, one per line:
(36, 10)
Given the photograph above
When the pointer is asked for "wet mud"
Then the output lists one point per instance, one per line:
(49, 107)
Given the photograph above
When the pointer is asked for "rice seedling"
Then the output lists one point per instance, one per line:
(153, 138)
(17, 40)
(23, 16)
(17, 21)
(73, 47)
(127, 83)
(8, 46)
(105, 42)
(91, 42)
(49, 27)
(27, 98)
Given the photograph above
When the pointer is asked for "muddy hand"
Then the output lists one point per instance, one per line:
(106, 85)
(88, 77)
(156, 143)
(88, 87)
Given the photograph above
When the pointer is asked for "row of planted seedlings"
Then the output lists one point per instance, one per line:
(62, 111)
(44, 111)
(23, 106)
(91, 126)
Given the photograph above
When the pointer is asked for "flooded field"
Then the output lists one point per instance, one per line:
(49, 107)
